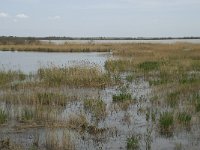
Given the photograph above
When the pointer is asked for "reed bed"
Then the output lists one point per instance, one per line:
(8, 77)
(74, 76)
(36, 98)
(49, 47)
(119, 49)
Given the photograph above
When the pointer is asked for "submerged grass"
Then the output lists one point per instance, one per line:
(78, 122)
(97, 107)
(54, 141)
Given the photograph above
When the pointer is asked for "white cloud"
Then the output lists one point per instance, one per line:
(22, 16)
(54, 18)
(3, 15)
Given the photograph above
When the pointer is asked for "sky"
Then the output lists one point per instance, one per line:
(100, 18)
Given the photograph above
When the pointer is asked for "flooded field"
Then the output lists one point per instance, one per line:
(145, 97)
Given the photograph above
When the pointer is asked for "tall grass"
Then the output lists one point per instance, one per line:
(7, 77)
(36, 98)
(74, 76)
(27, 115)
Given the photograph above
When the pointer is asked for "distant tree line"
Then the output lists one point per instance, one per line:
(5, 40)
(9, 40)
(113, 38)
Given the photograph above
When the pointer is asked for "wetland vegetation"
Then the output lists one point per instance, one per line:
(147, 96)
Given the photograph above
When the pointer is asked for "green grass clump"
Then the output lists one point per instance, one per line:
(97, 107)
(133, 143)
(121, 97)
(149, 65)
(166, 122)
(3, 116)
(198, 107)
(184, 118)
(196, 98)
(130, 78)
(27, 115)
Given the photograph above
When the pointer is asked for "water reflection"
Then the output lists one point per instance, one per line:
(32, 61)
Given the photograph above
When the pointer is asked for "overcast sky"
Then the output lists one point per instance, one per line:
(86, 18)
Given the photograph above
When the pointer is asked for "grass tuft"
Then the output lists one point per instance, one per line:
(3, 116)
(184, 118)
(133, 143)
(121, 97)
(166, 122)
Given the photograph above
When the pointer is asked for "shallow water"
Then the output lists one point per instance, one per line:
(32, 61)
(116, 121)
(115, 138)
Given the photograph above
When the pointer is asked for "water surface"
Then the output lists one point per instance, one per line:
(31, 61)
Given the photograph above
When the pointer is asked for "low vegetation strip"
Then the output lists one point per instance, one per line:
(118, 49)
(45, 47)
